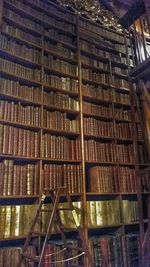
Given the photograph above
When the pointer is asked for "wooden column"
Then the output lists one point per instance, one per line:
(1, 12)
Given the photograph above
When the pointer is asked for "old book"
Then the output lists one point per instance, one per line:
(101, 213)
(2, 221)
(10, 178)
(126, 211)
(91, 213)
(15, 221)
(1, 137)
(7, 222)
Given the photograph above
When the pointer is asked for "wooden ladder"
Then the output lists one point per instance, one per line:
(145, 238)
(55, 218)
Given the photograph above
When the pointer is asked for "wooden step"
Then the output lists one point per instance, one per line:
(30, 257)
(38, 233)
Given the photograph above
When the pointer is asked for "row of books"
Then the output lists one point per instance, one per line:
(58, 11)
(60, 100)
(16, 112)
(60, 121)
(118, 58)
(54, 255)
(18, 90)
(118, 97)
(59, 48)
(90, 74)
(120, 83)
(51, 33)
(102, 31)
(105, 94)
(59, 147)
(20, 50)
(63, 83)
(93, 50)
(45, 6)
(18, 142)
(116, 250)
(119, 70)
(20, 34)
(98, 128)
(56, 258)
(130, 211)
(142, 153)
(94, 63)
(103, 213)
(104, 111)
(106, 179)
(20, 70)
(32, 25)
(127, 180)
(106, 152)
(42, 17)
(18, 179)
(60, 65)
(107, 250)
(108, 212)
(118, 113)
(123, 130)
(10, 256)
(65, 175)
(16, 220)
(97, 91)
(67, 218)
(60, 36)
(123, 114)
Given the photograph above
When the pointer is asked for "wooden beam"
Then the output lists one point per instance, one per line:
(134, 12)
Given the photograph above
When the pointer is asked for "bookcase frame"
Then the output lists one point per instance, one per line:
(84, 195)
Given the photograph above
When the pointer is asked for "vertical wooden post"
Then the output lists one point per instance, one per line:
(1, 12)
(147, 11)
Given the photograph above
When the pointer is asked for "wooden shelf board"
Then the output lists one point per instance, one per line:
(36, 19)
(60, 56)
(74, 112)
(100, 70)
(19, 197)
(60, 160)
(61, 90)
(61, 42)
(19, 78)
(51, 13)
(20, 60)
(23, 41)
(21, 125)
(22, 26)
(60, 73)
(59, 131)
(5, 96)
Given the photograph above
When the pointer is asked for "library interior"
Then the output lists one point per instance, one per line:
(74, 133)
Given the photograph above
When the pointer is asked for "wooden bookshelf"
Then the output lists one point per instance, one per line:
(66, 118)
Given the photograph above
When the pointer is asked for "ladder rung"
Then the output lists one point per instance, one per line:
(75, 248)
(67, 229)
(30, 257)
(37, 233)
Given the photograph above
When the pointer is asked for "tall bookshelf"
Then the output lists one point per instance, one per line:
(66, 120)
